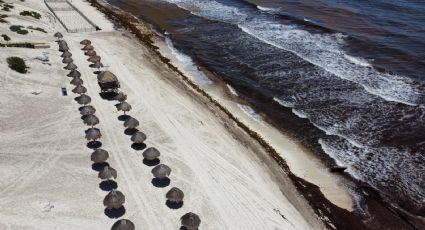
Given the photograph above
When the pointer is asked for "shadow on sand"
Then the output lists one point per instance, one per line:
(108, 95)
(151, 163)
(123, 117)
(174, 205)
(115, 212)
(130, 131)
(108, 185)
(94, 144)
(161, 183)
(138, 146)
(99, 166)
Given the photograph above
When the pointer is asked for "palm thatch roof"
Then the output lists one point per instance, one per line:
(114, 199)
(83, 99)
(93, 134)
(123, 224)
(87, 110)
(107, 173)
(91, 120)
(63, 48)
(85, 42)
(138, 137)
(191, 221)
(66, 54)
(79, 89)
(74, 73)
(97, 65)
(90, 53)
(58, 35)
(71, 66)
(76, 81)
(67, 60)
(124, 106)
(62, 42)
(99, 156)
(106, 76)
(161, 171)
(88, 47)
(131, 123)
(94, 59)
(121, 97)
(151, 153)
(175, 195)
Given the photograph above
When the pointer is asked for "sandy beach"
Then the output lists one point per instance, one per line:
(47, 180)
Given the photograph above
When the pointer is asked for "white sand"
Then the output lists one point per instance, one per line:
(46, 177)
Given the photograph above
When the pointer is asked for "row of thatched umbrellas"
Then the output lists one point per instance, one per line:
(114, 199)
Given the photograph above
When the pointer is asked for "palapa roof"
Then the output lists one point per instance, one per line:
(175, 195)
(67, 60)
(161, 171)
(107, 173)
(99, 156)
(114, 199)
(124, 106)
(74, 73)
(87, 110)
(63, 48)
(85, 42)
(58, 35)
(93, 134)
(151, 153)
(91, 120)
(79, 89)
(121, 97)
(94, 59)
(106, 76)
(123, 224)
(88, 47)
(138, 137)
(66, 54)
(71, 66)
(131, 123)
(62, 42)
(83, 99)
(191, 221)
(90, 53)
(76, 81)
(97, 65)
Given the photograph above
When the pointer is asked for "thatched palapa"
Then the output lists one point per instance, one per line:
(79, 89)
(121, 97)
(114, 199)
(67, 60)
(107, 81)
(97, 65)
(66, 54)
(91, 120)
(124, 106)
(76, 81)
(123, 224)
(71, 66)
(61, 43)
(93, 134)
(94, 59)
(90, 53)
(58, 35)
(88, 47)
(83, 99)
(175, 195)
(138, 137)
(87, 110)
(131, 123)
(107, 173)
(63, 48)
(161, 171)
(74, 73)
(191, 221)
(99, 156)
(85, 42)
(151, 153)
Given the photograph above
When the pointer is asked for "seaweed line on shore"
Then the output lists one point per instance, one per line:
(331, 215)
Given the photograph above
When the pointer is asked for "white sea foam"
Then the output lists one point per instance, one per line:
(232, 90)
(187, 64)
(251, 113)
(299, 113)
(267, 9)
(357, 60)
(283, 103)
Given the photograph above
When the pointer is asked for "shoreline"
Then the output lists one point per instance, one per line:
(373, 197)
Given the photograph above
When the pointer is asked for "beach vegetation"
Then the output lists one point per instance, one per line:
(5, 37)
(7, 7)
(2, 18)
(18, 44)
(18, 29)
(31, 14)
(37, 28)
(17, 64)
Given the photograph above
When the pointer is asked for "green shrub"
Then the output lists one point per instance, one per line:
(23, 32)
(31, 14)
(17, 64)
(37, 28)
(15, 28)
(5, 37)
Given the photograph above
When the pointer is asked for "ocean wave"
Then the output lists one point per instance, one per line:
(232, 90)
(251, 113)
(323, 50)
